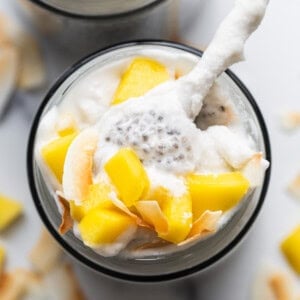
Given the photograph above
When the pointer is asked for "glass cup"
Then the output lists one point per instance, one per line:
(80, 27)
(166, 265)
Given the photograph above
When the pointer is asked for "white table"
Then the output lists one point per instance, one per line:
(272, 73)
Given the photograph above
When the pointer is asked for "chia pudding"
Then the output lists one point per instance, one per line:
(170, 146)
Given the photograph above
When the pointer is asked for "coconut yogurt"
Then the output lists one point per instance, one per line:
(175, 137)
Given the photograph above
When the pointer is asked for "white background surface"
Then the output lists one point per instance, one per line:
(272, 73)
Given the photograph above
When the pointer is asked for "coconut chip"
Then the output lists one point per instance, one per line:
(273, 284)
(31, 73)
(14, 285)
(120, 205)
(152, 214)
(290, 120)
(46, 254)
(8, 73)
(294, 187)
(59, 284)
(207, 223)
(66, 218)
(254, 170)
(77, 176)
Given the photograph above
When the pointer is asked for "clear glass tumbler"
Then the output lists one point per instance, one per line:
(165, 266)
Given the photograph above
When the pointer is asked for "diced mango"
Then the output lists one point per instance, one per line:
(77, 211)
(10, 210)
(290, 247)
(55, 152)
(178, 211)
(103, 226)
(216, 192)
(128, 176)
(2, 258)
(142, 75)
(98, 196)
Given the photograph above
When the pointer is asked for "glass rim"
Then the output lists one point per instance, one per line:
(121, 275)
(74, 15)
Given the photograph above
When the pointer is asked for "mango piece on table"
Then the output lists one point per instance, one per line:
(128, 176)
(98, 197)
(216, 192)
(104, 226)
(10, 210)
(290, 247)
(2, 258)
(142, 75)
(178, 211)
(55, 152)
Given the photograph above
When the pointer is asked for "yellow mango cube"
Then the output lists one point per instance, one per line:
(216, 192)
(104, 226)
(77, 211)
(290, 247)
(178, 211)
(128, 175)
(10, 210)
(55, 152)
(98, 196)
(142, 75)
(2, 258)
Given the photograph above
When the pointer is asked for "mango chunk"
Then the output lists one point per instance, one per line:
(103, 226)
(142, 75)
(55, 152)
(10, 210)
(290, 247)
(216, 192)
(178, 212)
(128, 176)
(98, 196)
(2, 258)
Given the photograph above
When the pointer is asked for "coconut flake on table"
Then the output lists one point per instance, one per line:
(8, 74)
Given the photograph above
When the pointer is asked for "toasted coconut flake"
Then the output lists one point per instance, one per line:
(46, 254)
(8, 74)
(31, 73)
(152, 214)
(273, 284)
(62, 284)
(78, 166)
(279, 287)
(294, 187)
(207, 223)
(66, 219)
(32, 70)
(14, 285)
(255, 169)
(291, 120)
(120, 205)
